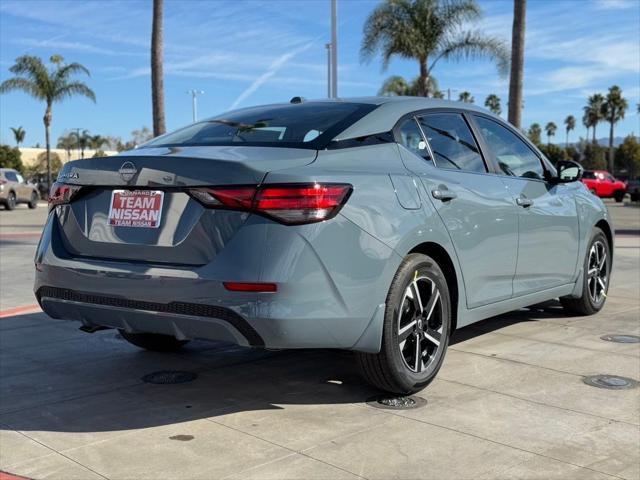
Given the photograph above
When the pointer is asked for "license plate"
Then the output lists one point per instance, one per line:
(136, 208)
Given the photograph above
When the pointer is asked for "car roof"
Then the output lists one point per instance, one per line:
(387, 113)
(391, 109)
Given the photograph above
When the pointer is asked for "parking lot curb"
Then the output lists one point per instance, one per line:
(23, 310)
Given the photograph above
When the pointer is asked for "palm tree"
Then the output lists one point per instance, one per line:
(397, 85)
(67, 143)
(613, 110)
(429, 31)
(550, 128)
(465, 97)
(97, 141)
(492, 102)
(593, 112)
(570, 124)
(157, 82)
(517, 61)
(534, 133)
(586, 121)
(18, 134)
(51, 85)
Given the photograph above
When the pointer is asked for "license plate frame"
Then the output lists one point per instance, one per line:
(135, 208)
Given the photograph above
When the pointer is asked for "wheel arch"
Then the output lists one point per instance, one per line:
(440, 255)
(606, 228)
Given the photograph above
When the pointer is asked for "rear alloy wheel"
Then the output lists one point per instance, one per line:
(33, 203)
(416, 329)
(11, 201)
(595, 282)
(154, 341)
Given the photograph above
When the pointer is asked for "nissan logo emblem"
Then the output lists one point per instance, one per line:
(127, 171)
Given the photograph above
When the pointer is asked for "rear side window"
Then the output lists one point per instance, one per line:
(513, 156)
(411, 137)
(588, 174)
(451, 142)
(305, 125)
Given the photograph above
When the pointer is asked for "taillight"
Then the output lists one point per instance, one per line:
(291, 204)
(62, 193)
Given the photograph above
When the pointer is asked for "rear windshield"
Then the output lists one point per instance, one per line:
(303, 125)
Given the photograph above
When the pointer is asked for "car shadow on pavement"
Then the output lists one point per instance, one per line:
(56, 379)
(541, 311)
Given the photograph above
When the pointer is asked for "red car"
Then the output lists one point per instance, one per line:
(604, 185)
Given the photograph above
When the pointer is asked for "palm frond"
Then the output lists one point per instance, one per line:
(27, 86)
(456, 13)
(474, 45)
(390, 30)
(67, 70)
(74, 88)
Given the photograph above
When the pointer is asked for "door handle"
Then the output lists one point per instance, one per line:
(524, 202)
(444, 195)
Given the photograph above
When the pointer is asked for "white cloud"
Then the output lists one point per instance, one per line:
(57, 44)
(616, 4)
(276, 65)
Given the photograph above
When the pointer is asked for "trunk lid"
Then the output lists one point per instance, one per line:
(188, 233)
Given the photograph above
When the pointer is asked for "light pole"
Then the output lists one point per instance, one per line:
(328, 47)
(194, 102)
(334, 49)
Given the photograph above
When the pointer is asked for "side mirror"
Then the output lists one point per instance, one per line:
(568, 171)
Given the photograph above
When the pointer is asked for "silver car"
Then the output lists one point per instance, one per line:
(378, 225)
(14, 190)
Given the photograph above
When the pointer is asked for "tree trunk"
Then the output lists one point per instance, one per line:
(157, 86)
(594, 134)
(517, 62)
(611, 145)
(423, 84)
(566, 143)
(47, 125)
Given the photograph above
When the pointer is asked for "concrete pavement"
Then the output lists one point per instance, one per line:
(508, 403)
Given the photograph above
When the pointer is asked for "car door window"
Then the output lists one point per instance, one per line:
(452, 142)
(11, 176)
(411, 137)
(513, 155)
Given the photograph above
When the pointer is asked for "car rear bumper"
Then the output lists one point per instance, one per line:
(327, 297)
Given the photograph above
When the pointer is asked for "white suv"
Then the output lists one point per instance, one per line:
(14, 189)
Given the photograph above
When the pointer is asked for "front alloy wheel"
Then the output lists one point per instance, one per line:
(595, 281)
(416, 329)
(597, 273)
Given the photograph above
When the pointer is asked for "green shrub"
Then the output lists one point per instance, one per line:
(554, 152)
(11, 157)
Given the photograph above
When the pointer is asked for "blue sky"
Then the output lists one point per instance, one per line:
(250, 52)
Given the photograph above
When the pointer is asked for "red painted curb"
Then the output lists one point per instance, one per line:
(12, 312)
(9, 476)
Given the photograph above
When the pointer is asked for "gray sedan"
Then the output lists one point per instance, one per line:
(378, 225)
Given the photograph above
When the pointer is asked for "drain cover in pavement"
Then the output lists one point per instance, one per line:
(611, 382)
(621, 338)
(167, 377)
(388, 402)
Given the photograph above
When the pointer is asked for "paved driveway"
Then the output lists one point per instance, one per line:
(508, 403)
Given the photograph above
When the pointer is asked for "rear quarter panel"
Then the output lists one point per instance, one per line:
(375, 208)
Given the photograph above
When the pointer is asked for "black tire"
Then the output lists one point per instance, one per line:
(154, 341)
(10, 204)
(389, 369)
(33, 203)
(618, 196)
(585, 304)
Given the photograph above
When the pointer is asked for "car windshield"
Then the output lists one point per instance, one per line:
(305, 125)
